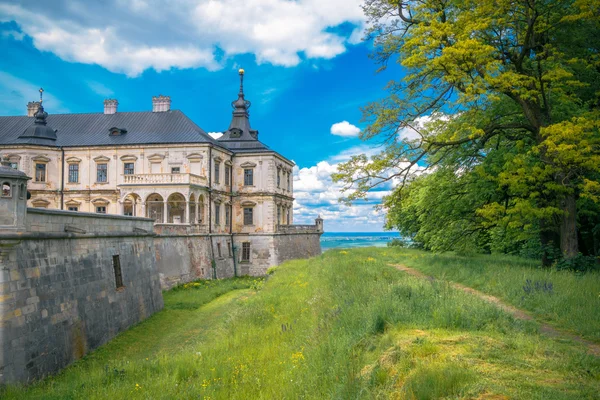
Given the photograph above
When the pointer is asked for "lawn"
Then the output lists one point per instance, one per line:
(343, 325)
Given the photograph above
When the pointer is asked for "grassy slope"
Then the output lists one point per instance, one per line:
(564, 299)
(337, 326)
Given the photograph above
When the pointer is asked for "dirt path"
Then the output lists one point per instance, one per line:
(549, 330)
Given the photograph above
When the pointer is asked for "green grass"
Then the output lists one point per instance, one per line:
(562, 298)
(340, 326)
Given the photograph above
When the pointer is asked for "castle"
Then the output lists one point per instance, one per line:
(99, 212)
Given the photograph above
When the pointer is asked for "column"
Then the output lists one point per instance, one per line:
(187, 213)
(165, 211)
(198, 217)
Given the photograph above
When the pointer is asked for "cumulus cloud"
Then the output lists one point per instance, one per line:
(130, 36)
(344, 128)
(411, 133)
(316, 194)
(215, 135)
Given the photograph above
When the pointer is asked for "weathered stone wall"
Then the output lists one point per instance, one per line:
(183, 254)
(58, 294)
(296, 245)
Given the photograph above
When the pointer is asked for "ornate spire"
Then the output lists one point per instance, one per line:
(39, 129)
(241, 72)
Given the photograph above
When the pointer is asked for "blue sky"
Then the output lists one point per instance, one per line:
(307, 74)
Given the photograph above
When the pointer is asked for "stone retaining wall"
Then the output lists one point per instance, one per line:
(58, 292)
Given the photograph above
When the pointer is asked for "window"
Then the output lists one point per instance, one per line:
(227, 175)
(73, 208)
(219, 250)
(227, 214)
(248, 177)
(73, 173)
(289, 182)
(217, 170)
(246, 251)
(101, 209)
(6, 191)
(229, 248)
(278, 177)
(118, 274)
(40, 172)
(287, 213)
(128, 168)
(22, 191)
(278, 215)
(248, 220)
(217, 214)
(14, 165)
(175, 170)
(102, 173)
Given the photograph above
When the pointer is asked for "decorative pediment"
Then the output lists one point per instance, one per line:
(101, 159)
(248, 164)
(247, 203)
(156, 158)
(195, 157)
(13, 157)
(129, 157)
(218, 159)
(73, 160)
(100, 202)
(41, 159)
(228, 163)
(72, 203)
(40, 203)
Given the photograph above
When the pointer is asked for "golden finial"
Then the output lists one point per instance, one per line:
(41, 91)
(241, 71)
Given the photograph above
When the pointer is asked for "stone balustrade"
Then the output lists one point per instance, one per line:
(153, 179)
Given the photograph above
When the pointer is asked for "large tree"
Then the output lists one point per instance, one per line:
(516, 77)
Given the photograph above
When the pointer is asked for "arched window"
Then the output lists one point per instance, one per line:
(6, 189)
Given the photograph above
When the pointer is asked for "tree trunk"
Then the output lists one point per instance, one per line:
(548, 240)
(568, 228)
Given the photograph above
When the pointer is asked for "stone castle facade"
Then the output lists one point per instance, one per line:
(161, 165)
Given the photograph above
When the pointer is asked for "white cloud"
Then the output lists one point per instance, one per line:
(215, 135)
(420, 126)
(344, 128)
(100, 88)
(13, 34)
(15, 93)
(132, 36)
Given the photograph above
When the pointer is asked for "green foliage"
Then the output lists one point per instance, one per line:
(502, 99)
(343, 325)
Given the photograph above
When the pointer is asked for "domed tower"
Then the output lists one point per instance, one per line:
(39, 132)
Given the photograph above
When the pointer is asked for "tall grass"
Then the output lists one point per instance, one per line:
(568, 300)
(341, 326)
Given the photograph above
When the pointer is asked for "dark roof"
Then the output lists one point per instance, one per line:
(93, 129)
(240, 137)
(39, 131)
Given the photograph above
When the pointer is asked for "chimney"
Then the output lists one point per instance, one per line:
(110, 106)
(32, 108)
(161, 103)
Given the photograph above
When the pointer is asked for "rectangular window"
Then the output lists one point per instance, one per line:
(289, 183)
(248, 177)
(217, 171)
(288, 216)
(14, 165)
(227, 214)
(40, 172)
(101, 209)
(217, 214)
(227, 175)
(248, 218)
(73, 173)
(278, 177)
(278, 215)
(118, 274)
(175, 170)
(219, 250)
(102, 173)
(128, 168)
(229, 248)
(73, 208)
(246, 251)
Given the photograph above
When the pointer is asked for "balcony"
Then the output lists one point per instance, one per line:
(163, 179)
